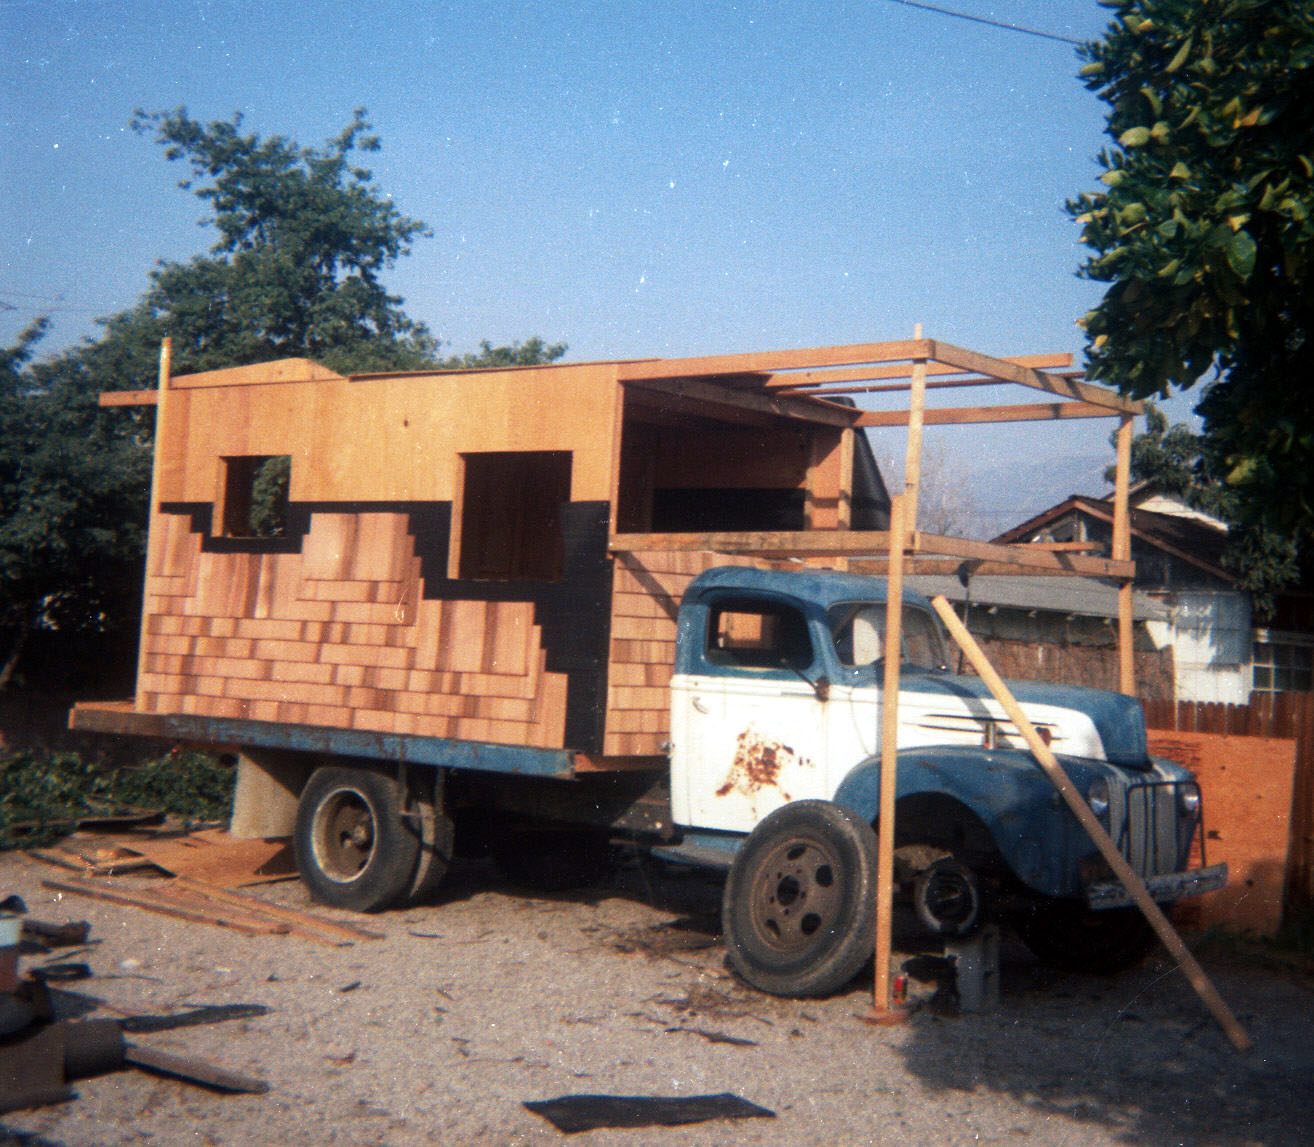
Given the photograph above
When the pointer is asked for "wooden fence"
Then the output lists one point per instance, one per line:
(1287, 715)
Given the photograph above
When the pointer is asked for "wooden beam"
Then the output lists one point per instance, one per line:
(128, 398)
(965, 415)
(804, 378)
(667, 368)
(1020, 556)
(868, 544)
(1088, 821)
(969, 360)
(1122, 553)
(882, 1003)
(752, 401)
(912, 461)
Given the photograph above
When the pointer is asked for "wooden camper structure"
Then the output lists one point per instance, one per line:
(498, 555)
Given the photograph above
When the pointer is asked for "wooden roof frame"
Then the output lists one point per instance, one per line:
(796, 383)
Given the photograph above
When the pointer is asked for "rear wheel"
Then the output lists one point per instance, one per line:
(1077, 939)
(354, 847)
(799, 904)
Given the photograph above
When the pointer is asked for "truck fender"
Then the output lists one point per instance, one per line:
(1005, 790)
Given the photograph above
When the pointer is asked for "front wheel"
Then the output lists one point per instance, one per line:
(354, 847)
(799, 904)
(1075, 938)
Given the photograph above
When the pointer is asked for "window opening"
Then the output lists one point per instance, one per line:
(511, 514)
(256, 496)
(758, 635)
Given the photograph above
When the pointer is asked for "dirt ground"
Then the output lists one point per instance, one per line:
(496, 995)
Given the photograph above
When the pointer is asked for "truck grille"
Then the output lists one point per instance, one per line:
(1154, 829)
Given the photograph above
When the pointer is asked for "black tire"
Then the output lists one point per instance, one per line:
(437, 836)
(1075, 938)
(799, 907)
(553, 860)
(354, 846)
(948, 899)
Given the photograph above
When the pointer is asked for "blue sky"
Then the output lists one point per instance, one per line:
(634, 179)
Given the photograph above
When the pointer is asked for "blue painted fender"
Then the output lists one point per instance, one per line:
(1035, 832)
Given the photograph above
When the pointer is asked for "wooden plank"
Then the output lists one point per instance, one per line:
(811, 378)
(1088, 821)
(163, 908)
(1010, 372)
(128, 398)
(298, 919)
(969, 415)
(755, 363)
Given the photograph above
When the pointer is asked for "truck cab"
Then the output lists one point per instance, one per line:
(776, 713)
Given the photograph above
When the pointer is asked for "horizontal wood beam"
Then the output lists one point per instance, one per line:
(808, 378)
(969, 360)
(129, 398)
(950, 567)
(965, 415)
(1027, 556)
(869, 543)
(782, 406)
(773, 360)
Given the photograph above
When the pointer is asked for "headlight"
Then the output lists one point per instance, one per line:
(1097, 796)
(1189, 796)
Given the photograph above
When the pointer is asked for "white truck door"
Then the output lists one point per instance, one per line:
(748, 730)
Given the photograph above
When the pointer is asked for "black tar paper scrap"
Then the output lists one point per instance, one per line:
(571, 1113)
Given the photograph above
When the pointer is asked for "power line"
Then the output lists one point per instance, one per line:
(990, 23)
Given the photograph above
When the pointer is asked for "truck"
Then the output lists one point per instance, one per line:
(534, 611)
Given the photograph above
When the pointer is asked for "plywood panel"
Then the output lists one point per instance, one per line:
(1247, 785)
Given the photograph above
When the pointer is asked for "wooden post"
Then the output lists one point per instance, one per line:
(1122, 553)
(881, 1001)
(1081, 810)
(912, 464)
(153, 540)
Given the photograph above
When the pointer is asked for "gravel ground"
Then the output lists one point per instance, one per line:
(496, 995)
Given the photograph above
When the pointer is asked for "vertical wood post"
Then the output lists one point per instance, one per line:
(153, 539)
(1081, 810)
(881, 1002)
(912, 463)
(1122, 553)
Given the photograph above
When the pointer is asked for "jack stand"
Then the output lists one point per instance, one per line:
(976, 961)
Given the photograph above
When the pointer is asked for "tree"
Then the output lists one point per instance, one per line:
(303, 238)
(1205, 233)
(72, 505)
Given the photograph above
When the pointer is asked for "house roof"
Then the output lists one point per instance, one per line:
(1077, 596)
(1186, 539)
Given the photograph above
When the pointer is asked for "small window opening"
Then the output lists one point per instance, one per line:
(255, 496)
(511, 515)
(758, 635)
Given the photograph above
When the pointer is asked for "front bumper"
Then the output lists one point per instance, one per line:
(1165, 889)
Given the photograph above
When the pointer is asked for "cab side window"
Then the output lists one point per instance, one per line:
(754, 634)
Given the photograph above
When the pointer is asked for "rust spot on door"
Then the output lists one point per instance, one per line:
(757, 765)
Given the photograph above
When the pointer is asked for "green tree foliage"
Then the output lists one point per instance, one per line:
(1204, 231)
(72, 505)
(304, 235)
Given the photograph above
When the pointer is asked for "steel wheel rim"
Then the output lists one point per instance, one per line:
(798, 896)
(345, 835)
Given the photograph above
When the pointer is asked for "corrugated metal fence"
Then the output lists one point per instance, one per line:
(1287, 715)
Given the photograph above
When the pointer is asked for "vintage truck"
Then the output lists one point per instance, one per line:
(535, 611)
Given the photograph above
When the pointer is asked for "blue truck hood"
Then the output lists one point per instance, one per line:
(1119, 720)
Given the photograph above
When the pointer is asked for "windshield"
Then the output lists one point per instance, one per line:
(858, 630)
